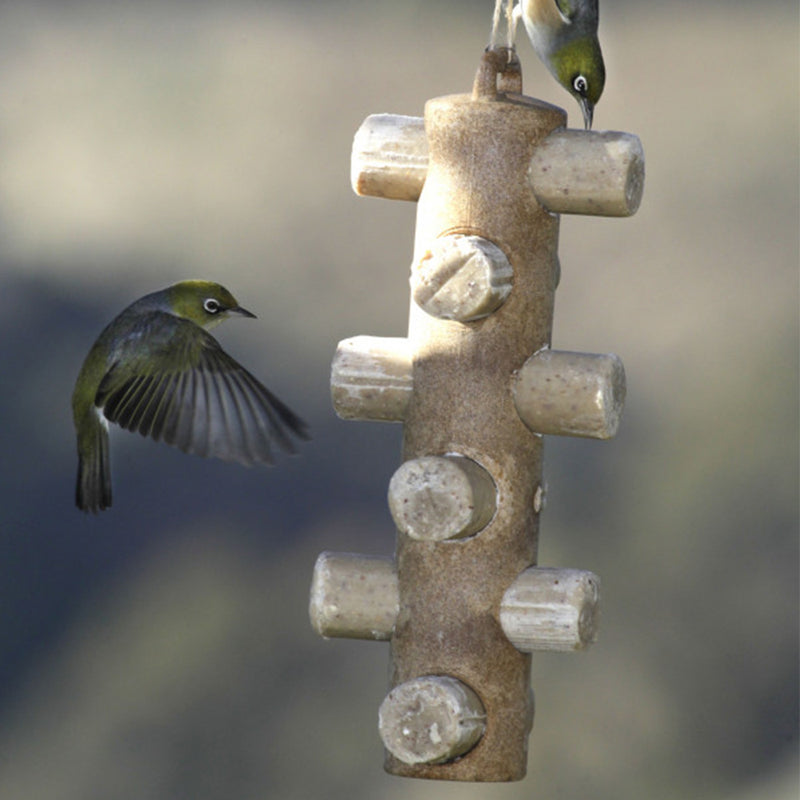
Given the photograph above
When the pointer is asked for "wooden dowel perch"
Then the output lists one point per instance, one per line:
(573, 171)
(571, 394)
(371, 378)
(356, 597)
(431, 720)
(434, 498)
(353, 597)
(555, 392)
(390, 157)
(476, 385)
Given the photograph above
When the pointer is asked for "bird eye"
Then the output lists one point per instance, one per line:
(579, 84)
(211, 305)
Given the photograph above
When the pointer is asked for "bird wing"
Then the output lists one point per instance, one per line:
(186, 390)
(567, 9)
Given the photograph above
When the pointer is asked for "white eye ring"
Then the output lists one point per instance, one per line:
(580, 84)
(211, 305)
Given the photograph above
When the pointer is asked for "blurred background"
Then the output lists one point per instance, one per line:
(162, 649)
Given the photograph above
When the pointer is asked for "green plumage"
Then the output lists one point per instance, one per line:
(155, 370)
(564, 35)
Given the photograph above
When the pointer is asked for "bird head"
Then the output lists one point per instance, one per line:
(578, 66)
(203, 302)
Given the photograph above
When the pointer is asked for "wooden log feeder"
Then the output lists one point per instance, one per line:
(476, 385)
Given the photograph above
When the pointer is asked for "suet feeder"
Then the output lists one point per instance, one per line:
(476, 386)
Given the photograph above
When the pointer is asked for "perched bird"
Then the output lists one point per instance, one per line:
(564, 35)
(154, 369)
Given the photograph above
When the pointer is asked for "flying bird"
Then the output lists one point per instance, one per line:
(156, 370)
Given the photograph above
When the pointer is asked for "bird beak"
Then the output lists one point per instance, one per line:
(588, 112)
(242, 312)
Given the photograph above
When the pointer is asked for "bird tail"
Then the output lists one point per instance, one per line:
(93, 487)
